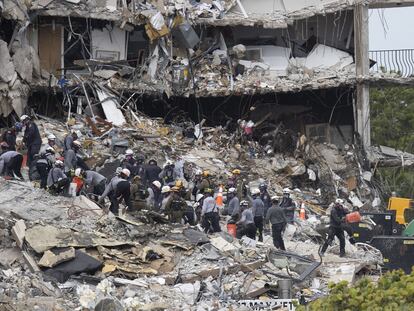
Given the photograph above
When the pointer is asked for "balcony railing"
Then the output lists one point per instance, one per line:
(397, 61)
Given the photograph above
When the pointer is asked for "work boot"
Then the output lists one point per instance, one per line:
(352, 240)
(342, 254)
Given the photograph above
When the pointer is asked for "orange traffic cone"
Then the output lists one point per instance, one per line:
(219, 198)
(302, 213)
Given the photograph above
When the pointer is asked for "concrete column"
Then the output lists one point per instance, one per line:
(361, 37)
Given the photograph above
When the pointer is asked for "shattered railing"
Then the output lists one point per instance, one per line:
(400, 62)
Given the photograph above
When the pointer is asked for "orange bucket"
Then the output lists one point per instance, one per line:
(231, 229)
(353, 217)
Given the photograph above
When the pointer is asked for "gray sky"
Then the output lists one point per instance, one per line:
(399, 28)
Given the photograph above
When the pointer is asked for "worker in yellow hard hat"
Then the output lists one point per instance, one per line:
(236, 172)
(202, 182)
(176, 208)
(235, 181)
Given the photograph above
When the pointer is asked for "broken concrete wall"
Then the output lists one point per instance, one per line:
(109, 43)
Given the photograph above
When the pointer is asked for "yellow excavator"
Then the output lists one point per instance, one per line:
(404, 209)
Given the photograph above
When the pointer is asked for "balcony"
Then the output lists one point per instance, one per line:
(400, 62)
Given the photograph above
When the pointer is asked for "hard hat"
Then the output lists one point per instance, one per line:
(244, 203)
(157, 184)
(206, 173)
(262, 186)
(165, 189)
(179, 183)
(232, 190)
(286, 191)
(275, 198)
(24, 117)
(126, 172)
(51, 137)
(78, 172)
(175, 189)
(129, 152)
(255, 191)
(152, 161)
(58, 163)
(77, 143)
(199, 197)
(339, 201)
(236, 172)
(3, 144)
(50, 150)
(199, 172)
(208, 190)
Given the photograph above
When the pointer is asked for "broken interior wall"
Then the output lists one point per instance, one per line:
(108, 43)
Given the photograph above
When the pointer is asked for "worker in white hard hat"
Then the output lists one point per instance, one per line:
(122, 192)
(166, 196)
(111, 190)
(57, 181)
(31, 138)
(45, 160)
(258, 211)
(130, 163)
(233, 205)
(277, 218)
(154, 199)
(288, 205)
(168, 174)
(337, 221)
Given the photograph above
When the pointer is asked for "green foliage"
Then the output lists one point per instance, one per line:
(392, 117)
(393, 291)
(392, 125)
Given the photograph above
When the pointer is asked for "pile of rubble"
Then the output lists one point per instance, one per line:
(67, 253)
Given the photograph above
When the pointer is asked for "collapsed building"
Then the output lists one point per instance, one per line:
(296, 72)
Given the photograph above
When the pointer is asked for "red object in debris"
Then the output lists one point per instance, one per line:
(231, 229)
(353, 217)
(24, 162)
(248, 130)
(79, 183)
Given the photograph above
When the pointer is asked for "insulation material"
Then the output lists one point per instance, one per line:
(108, 44)
(276, 57)
(324, 57)
(109, 106)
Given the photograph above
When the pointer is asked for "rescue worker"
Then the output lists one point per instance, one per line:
(276, 216)
(9, 136)
(198, 204)
(167, 175)
(130, 163)
(288, 205)
(202, 182)
(45, 159)
(264, 195)
(111, 186)
(71, 157)
(111, 190)
(139, 193)
(258, 212)
(209, 213)
(246, 226)
(233, 205)
(95, 183)
(175, 208)
(44, 163)
(57, 181)
(235, 181)
(337, 220)
(11, 163)
(154, 199)
(68, 141)
(152, 172)
(31, 138)
(166, 197)
(140, 167)
(122, 193)
(197, 179)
